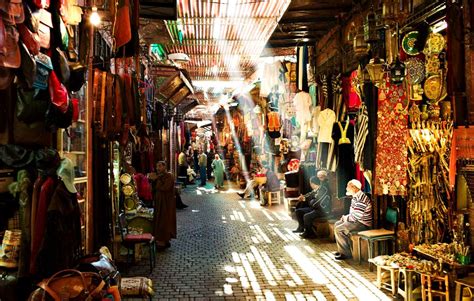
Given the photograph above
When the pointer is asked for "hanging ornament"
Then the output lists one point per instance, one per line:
(397, 72)
(370, 27)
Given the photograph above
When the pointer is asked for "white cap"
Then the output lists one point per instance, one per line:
(356, 183)
(322, 173)
(66, 173)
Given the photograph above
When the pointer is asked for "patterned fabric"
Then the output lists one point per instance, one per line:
(136, 286)
(361, 132)
(361, 209)
(392, 133)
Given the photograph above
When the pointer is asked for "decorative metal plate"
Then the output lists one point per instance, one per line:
(434, 88)
(434, 44)
(408, 43)
(415, 70)
(125, 178)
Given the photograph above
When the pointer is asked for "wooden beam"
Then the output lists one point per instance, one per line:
(311, 20)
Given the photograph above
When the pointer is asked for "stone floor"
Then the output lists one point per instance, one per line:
(233, 249)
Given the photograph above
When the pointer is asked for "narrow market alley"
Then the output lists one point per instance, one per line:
(233, 249)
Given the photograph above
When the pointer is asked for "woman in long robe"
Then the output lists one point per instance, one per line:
(164, 217)
(218, 168)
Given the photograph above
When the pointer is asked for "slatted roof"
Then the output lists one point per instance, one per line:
(306, 21)
(223, 38)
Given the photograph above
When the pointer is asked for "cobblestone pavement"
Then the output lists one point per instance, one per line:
(233, 249)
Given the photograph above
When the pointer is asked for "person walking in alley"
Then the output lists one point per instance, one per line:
(218, 169)
(164, 217)
(203, 167)
(358, 219)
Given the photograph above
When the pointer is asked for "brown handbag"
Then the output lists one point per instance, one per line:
(73, 284)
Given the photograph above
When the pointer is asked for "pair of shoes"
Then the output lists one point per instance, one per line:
(298, 230)
(162, 248)
(308, 234)
(336, 253)
(182, 207)
(242, 195)
(342, 257)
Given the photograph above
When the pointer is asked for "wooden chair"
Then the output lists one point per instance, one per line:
(429, 290)
(379, 235)
(130, 240)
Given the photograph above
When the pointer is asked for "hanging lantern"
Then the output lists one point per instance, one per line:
(394, 11)
(397, 72)
(360, 46)
(376, 71)
(370, 28)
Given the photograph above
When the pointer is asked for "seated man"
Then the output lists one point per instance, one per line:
(358, 219)
(314, 204)
(271, 185)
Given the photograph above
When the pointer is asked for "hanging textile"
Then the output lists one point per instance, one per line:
(302, 73)
(361, 132)
(391, 157)
(343, 135)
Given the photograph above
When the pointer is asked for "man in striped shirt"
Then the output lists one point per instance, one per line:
(358, 219)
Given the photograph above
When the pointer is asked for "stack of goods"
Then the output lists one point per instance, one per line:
(405, 260)
(449, 253)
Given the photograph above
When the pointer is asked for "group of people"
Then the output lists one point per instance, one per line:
(315, 204)
(318, 204)
(185, 169)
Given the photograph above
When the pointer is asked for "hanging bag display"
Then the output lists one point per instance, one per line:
(28, 67)
(58, 92)
(10, 56)
(30, 106)
(43, 68)
(13, 12)
(44, 29)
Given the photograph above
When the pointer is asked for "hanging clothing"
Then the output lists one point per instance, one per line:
(62, 242)
(302, 103)
(314, 120)
(302, 71)
(326, 121)
(361, 133)
(344, 137)
(391, 157)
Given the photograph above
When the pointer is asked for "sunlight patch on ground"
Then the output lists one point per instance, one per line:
(270, 218)
(306, 265)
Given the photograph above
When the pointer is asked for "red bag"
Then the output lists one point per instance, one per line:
(58, 92)
(30, 39)
(75, 109)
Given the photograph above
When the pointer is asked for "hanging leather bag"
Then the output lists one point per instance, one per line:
(31, 108)
(44, 29)
(79, 286)
(10, 56)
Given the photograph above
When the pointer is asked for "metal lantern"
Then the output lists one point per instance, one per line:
(397, 72)
(360, 46)
(376, 70)
(370, 28)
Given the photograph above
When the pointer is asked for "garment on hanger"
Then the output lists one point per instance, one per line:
(391, 157)
(344, 134)
(361, 133)
(302, 103)
(326, 121)
(302, 72)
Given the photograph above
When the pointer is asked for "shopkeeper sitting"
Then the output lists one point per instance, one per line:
(313, 205)
(358, 219)
(271, 185)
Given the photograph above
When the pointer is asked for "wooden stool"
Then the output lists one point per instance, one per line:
(405, 285)
(467, 282)
(272, 196)
(392, 285)
(427, 290)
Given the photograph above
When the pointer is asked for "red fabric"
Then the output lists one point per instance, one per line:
(351, 98)
(359, 175)
(46, 192)
(145, 237)
(123, 30)
(143, 187)
(392, 127)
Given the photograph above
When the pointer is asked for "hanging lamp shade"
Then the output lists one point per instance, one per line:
(375, 68)
(370, 28)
